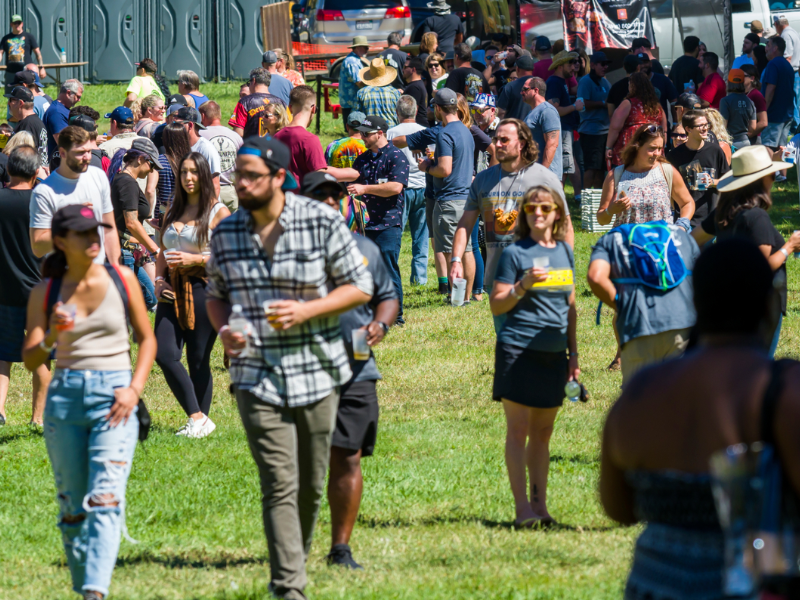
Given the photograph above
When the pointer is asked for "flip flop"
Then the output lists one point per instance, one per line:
(526, 523)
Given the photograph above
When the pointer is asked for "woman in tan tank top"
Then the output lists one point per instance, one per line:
(90, 425)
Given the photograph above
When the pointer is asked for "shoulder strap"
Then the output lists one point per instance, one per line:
(618, 171)
(769, 405)
(668, 173)
(122, 288)
(51, 296)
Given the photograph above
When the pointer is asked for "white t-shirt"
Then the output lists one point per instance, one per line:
(209, 152)
(227, 143)
(57, 191)
(416, 178)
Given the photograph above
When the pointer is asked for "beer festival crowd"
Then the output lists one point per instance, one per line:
(250, 232)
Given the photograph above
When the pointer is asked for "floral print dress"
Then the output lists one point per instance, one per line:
(636, 118)
(650, 196)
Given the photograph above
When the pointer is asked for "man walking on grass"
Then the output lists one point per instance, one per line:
(295, 258)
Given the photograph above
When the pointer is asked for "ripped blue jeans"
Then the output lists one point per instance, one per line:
(91, 463)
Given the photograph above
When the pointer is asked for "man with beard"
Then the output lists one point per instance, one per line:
(74, 182)
(291, 266)
(495, 194)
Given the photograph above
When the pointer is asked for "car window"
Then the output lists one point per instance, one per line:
(350, 5)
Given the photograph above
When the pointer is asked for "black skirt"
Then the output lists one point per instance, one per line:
(529, 377)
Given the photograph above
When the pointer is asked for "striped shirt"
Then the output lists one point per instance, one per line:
(165, 188)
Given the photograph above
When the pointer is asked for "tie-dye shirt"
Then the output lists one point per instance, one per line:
(343, 152)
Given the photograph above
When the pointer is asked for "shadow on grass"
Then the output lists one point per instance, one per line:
(9, 435)
(580, 460)
(467, 519)
(191, 561)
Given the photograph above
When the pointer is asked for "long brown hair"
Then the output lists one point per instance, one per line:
(559, 230)
(430, 41)
(639, 86)
(642, 136)
(207, 198)
(176, 146)
(530, 152)
(753, 195)
(463, 110)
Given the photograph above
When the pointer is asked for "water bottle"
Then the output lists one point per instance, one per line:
(63, 56)
(573, 390)
(239, 324)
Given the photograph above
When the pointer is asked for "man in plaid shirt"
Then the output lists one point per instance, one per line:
(378, 97)
(293, 266)
(348, 76)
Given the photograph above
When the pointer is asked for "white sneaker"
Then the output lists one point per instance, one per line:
(201, 428)
(187, 427)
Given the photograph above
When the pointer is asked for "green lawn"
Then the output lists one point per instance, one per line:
(437, 511)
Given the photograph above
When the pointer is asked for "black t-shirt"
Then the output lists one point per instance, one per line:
(34, 125)
(761, 60)
(396, 59)
(618, 92)
(656, 66)
(127, 196)
(19, 268)
(665, 90)
(4, 178)
(18, 50)
(755, 225)
(685, 69)
(467, 81)
(691, 162)
(445, 27)
(510, 100)
(416, 89)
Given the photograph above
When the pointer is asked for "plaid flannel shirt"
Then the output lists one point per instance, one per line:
(316, 251)
(379, 102)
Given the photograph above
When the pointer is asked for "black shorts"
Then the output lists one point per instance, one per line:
(594, 151)
(357, 418)
(529, 377)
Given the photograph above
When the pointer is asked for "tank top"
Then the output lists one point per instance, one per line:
(99, 341)
(650, 196)
(186, 240)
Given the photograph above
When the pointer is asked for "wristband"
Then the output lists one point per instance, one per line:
(515, 294)
(160, 278)
(455, 259)
(571, 354)
(785, 252)
(45, 347)
(384, 326)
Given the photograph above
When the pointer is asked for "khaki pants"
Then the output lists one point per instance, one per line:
(643, 351)
(227, 195)
(291, 447)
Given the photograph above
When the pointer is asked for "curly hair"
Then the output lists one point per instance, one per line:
(641, 136)
(639, 87)
(716, 124)
(530, 152)
(524, 230)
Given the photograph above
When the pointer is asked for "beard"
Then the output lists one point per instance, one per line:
(250, 203)
(77, 166)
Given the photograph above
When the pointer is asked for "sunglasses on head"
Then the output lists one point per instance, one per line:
(547, 207)
(653, 129)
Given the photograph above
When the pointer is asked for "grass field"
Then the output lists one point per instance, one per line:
(437, 511)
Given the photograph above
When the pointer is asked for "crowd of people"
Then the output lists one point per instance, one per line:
(289, 253)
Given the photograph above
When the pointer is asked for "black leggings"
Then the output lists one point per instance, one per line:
(193, 389)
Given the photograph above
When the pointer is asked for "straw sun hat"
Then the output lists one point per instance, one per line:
(561, 58)
(377, 74)
(750, 164)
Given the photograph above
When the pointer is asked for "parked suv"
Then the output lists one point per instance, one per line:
(339, 21)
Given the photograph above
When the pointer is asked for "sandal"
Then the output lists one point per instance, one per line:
(526, 523)
(616, 365)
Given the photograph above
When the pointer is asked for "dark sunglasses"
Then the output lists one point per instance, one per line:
(324, 195)
(680, 136)
(574, 61)
(433, 65)
(653, 129)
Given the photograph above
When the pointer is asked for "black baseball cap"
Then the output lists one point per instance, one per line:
(317, 179)
(75, 217)
(177, 99)
(753, 38)
(20, 92)
(83, 122)
(373, 123)
(688, 100)
(630, 63)
(643, 58)
(24, 77)
(189, 115)
(275, 155)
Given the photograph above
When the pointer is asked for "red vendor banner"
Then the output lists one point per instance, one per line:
(596, 24)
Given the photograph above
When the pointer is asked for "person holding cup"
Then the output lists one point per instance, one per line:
(90, 422)
(538, 343)
(181, 318)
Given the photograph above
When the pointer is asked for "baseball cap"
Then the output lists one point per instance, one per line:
(643, 58)
(173, 108)
(143, 144)
(20, 92)
(274, 153)
(269, 58)
(450, 55)
(355, 118)
(121, 114)
(445, 97)
(16, 18)
(188, 114)
(25, 76)
(756, 26)
(542, 44)
(687, 100)
(599, 57)
(524, 63)
(736, 76)
(753, 38)
(177, 99)
(630, 62)
(317, 179)
(75, 217)
(83, 122)
(373, 123)
(484, 101)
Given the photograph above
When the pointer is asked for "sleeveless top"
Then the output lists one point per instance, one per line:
(636, 118)
(99, 341)
(186, 240)
(650, 196)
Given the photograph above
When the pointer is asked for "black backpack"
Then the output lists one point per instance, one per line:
(51, 297)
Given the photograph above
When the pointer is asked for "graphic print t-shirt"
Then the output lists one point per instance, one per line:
(18, 50)
(34, 125)
(227, 144)
(467, 81)
(248, 111)
(691, 162)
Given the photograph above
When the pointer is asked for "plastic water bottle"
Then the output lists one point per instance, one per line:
(239, 324)
(63, 56)
(573, 390)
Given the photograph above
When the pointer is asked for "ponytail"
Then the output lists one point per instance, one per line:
(54, 265)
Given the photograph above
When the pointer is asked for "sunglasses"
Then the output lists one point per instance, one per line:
(653, 129)
(680, 136)
(574, 61)
(434, 65)
(323, 195)
(547, 207)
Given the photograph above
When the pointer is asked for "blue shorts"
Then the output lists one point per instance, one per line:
(12, 332)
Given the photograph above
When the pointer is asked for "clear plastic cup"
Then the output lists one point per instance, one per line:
(541, 262)
(168, 256)
(360, 347)
(459, 291)
(270, 313)
(71, 311)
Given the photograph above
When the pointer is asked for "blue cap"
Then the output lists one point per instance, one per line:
(599, 57)
(121, 114)
(355, 118)
(484, 101)
(542, 44)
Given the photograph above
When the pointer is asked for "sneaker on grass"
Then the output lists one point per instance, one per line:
(197, 429)
(342, 556)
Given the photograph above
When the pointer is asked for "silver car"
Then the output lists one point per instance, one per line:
(339, 21)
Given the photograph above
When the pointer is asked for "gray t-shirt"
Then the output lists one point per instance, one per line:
(227, 143)
(209, 152)
(544, 119)
(281, 87)
(454, 140)
(539, 320)
(367, 370)
(642, 310)
(57, 191)
(738, 110)
(495, 189)
(792, 39)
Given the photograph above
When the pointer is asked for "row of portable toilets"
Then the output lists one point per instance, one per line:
(217, 39)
